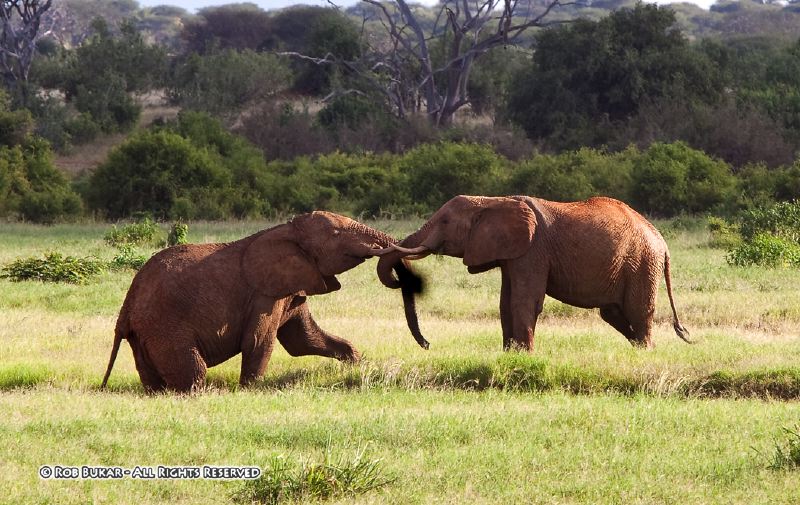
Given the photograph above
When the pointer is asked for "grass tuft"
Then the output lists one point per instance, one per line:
(23, 375)
(283, 482)
(787, 455)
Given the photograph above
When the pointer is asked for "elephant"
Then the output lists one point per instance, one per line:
(195, 306)
(597, 253)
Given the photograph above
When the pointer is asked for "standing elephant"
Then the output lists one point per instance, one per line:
(194, 306)
(598, 253)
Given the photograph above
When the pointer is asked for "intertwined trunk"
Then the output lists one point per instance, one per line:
(409, 283)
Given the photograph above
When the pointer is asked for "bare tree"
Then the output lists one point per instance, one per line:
(19, 30)
(404, 69)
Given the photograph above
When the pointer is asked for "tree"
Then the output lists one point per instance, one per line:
(234, 26)
(589, 77)
(19, 32)
(404, 69)
(100, 74)
(226, 81)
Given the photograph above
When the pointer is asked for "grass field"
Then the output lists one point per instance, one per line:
(584, 419)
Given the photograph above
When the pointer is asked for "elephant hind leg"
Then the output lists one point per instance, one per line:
(612, 314)
(639, 310)
(151, 380)
(184, 370)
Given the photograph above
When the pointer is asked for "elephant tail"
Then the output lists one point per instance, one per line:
(120, 332)
(680, 330)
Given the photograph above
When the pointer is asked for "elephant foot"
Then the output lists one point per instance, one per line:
(350, 356)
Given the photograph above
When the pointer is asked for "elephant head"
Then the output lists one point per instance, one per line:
(481, 230)
(307, 253)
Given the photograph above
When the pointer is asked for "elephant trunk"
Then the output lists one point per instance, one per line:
(408, 282)
(410, 285)
(389, 260)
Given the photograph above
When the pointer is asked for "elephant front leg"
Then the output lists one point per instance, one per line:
(256, 348)
(506, 317)
(301, 336)
(526, 303)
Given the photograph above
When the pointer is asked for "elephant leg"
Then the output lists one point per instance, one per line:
(151, 380)
(612, 314)
(183, 370)
(257, 345)
(527, 301)
(301, 336)
(639, 309)
(506, 318)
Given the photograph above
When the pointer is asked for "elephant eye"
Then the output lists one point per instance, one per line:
(336, 233)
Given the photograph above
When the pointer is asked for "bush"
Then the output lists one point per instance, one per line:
(127, 258)
(226, 81)
(672, 178)
(283, 133)
(178, 234)
(31, 187)
(190, 169)
(138, 233)
(771, 236)
(724, 235)
(437, 172)
(349, 110)
(766, 250)
(53, 268)
(781, 220)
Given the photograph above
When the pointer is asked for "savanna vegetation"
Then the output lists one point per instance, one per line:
(125, 129)
(586, 418)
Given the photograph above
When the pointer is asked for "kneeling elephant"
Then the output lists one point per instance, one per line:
(191, 307)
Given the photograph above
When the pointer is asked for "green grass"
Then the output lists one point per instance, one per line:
(586, 418)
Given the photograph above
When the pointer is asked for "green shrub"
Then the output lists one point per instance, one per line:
(53, 268)
(282, 482)
(724, 235)
(552, 177)
(31, 187)
(127, 257)
(178, 234)
(141, 232)
(781, 220)
(190, 169)
(435, 173)
(672, 178)
(348, 110)
(226, 81)
(767, 250)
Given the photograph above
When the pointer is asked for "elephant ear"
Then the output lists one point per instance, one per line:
(502, 230)
(279, 267)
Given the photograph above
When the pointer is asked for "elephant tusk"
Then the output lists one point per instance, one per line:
(415, 251)
(418, 256)
(380, 252)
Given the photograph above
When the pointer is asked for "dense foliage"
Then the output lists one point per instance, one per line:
(192, 169)
(31, 187)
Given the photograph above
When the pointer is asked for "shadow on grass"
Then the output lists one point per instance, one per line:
(508, 372)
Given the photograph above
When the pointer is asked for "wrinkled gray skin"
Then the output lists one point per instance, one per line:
(195, 306)
(598, 253)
